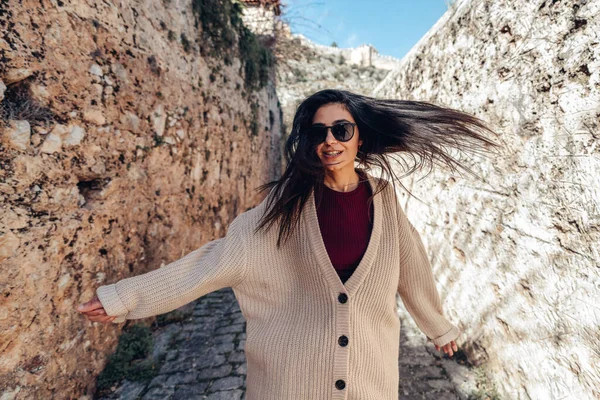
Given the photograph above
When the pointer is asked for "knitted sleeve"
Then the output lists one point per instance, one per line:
(417, 289)
(217, 264)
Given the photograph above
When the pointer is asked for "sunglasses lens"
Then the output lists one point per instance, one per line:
(342, 132)
(317, 134)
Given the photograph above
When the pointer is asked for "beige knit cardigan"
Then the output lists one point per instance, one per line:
(308, 335)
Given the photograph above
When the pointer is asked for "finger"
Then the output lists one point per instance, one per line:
(455, 346)
(91, 305)
(100, 311)
(107, 319)
(449, 348)
(99, 318)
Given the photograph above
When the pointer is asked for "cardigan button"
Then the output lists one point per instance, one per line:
(340, 384)
(343, 340)
(342, 298)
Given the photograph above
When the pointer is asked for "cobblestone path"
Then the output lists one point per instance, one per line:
(203, 358)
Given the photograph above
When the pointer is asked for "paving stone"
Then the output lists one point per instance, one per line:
(158, 381)
(182, 378)
(194, 343)
(217, 372)
(229, 382)
(224, 338)
(206, 362)
(159, 393)
(231, 328)
(223, 348)
(236, 356)
(129, 390)
(228, 395)
(241, 369)
(190, 392)
(172, 355)
(177, 366)
(242, 344)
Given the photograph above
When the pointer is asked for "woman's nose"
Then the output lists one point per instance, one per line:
(330, 138)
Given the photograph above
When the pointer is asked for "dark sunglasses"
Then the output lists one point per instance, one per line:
(342, 131)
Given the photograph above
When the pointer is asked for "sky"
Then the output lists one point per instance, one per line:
(393, 27)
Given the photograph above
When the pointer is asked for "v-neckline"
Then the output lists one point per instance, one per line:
(318, 245)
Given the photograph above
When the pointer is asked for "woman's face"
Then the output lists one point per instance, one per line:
(328, 115)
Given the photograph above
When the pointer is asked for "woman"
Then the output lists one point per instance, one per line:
(319, 294)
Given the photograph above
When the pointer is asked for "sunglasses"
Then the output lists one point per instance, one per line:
(342, 131)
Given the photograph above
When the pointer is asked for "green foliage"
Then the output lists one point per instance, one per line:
(485, 388)
(158, 140)
(258, 58)
(18, 104)
(222, 30)
(129, 361)
(334, 44)
(254, 122)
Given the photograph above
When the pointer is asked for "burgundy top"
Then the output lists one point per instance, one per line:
(345, 223)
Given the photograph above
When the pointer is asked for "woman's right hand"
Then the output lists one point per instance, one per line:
(94, 311)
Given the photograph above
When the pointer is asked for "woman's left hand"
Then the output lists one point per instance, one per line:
(448, 348)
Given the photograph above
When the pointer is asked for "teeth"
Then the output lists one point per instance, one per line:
(332, 152)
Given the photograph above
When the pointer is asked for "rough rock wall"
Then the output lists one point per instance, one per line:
(125, 149)
(517, 256)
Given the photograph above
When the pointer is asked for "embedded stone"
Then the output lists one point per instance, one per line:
(75, 136)
(94, 116)
(9, 243)
(52, 144)
(159, 119)
(2, 90)
(131, 122)
(17, 75)
(18, 134)
(95, 69)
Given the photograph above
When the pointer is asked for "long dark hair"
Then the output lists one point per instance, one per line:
(389, 128)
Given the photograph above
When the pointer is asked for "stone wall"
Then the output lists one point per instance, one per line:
(125, 147)
(517, 256)
(262, 20)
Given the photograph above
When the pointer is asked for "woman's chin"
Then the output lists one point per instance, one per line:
(333, 165)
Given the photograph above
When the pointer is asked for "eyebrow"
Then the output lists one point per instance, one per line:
(334, 122)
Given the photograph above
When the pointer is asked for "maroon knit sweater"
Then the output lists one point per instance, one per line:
(345, 223)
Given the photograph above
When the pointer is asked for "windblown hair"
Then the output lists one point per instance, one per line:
(389, 129)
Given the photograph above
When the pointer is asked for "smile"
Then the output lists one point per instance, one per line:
(331, 155)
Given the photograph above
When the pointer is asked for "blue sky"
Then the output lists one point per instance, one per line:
(393, 27)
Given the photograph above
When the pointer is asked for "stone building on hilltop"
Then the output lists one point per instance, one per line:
(262, 16)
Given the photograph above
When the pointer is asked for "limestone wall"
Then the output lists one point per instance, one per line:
(517, 256)
(127, 148)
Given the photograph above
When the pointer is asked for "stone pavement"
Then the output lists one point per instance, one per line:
(203, 358)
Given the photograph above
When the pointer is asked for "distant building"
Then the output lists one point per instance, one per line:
(262, 16)
(267, 4)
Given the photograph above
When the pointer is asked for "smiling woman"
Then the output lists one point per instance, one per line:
(337, 145)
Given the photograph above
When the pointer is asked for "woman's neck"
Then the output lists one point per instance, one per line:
(342, 181)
